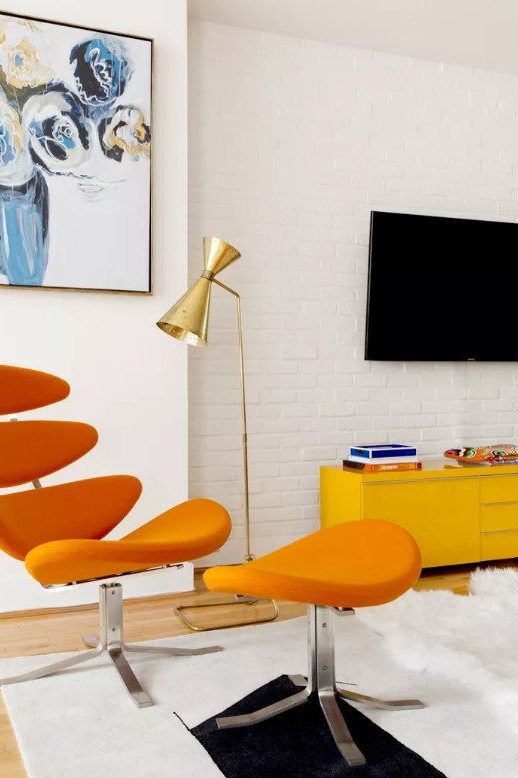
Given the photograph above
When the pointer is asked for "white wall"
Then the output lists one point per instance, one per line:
(292, 143)
(128, 378)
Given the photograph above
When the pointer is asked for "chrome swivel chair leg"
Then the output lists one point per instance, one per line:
(247, 719)
(169, 651)
(55, 667)
(92, 641)
(321, 680)
(110, 642)
(376, 702)
(139, 696)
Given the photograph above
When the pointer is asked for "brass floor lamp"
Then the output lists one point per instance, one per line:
(188, 320)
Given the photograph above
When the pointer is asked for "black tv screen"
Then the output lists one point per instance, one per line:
(441, 289)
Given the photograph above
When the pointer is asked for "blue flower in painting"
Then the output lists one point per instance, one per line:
(101, 71)
(58, 129)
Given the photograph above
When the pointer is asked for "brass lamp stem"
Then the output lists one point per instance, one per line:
(246, 491)
(188, 320)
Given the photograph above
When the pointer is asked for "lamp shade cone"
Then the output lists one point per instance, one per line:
(218, 254)
(188, 319)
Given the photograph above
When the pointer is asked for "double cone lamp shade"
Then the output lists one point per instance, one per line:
(188, 319)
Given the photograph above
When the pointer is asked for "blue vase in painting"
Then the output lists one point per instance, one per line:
(24, 231)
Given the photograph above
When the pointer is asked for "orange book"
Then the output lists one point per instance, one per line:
(382, 468)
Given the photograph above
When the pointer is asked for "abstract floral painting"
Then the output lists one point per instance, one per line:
(75, 140)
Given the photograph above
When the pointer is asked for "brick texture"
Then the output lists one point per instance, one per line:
(292, 143)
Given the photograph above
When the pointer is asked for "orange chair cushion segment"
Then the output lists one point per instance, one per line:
(350, 565)
(80, 509)
(33, 449)
(187, 531)
(22, 389)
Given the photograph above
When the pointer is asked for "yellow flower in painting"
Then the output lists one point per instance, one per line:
(125, 131)
(23, 68)
(21, 55)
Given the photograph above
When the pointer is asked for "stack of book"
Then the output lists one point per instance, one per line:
(382, 457)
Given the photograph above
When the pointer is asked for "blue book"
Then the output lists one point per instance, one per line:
(382, 451)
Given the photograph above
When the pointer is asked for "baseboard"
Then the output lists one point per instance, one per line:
(26, 594)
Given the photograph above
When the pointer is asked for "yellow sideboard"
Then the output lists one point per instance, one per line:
(457, 514)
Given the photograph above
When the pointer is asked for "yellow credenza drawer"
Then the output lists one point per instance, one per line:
(499, 545)
(499, 516)
(441, 514)
(499, 488)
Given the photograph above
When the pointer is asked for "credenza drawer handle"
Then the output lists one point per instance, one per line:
(496, 504)
(498, 531)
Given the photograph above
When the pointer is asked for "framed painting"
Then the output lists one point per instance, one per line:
(75, 157)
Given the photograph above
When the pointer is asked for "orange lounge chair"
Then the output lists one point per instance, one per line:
(59, 531)
(345, 566)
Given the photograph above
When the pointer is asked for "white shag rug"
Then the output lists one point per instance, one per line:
(458, 654)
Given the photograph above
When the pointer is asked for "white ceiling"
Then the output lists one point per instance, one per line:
(482, 33)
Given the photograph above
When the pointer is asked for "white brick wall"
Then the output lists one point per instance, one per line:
(292, 143)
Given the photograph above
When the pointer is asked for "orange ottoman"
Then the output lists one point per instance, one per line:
(345, 566)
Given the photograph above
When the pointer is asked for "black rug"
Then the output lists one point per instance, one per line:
(298, 744)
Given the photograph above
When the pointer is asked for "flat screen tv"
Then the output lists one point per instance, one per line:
(441, 289)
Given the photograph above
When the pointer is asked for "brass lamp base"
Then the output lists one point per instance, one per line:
(180, 611)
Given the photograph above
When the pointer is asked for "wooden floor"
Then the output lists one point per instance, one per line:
(44, 632)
